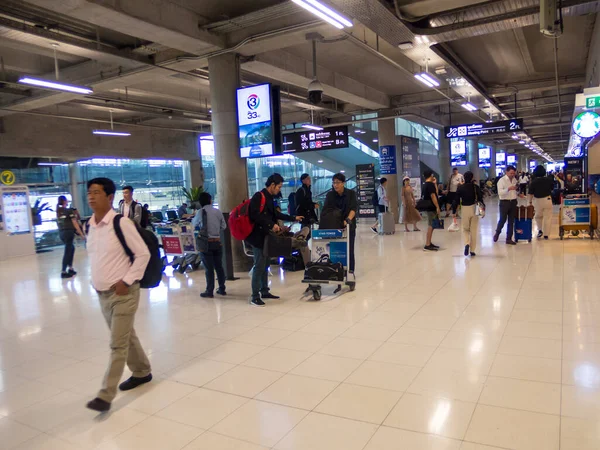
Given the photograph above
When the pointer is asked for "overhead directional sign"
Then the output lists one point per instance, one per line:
(308, 140)
(482, 129)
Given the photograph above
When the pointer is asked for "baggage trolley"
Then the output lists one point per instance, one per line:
(577, 214)
(336, 244)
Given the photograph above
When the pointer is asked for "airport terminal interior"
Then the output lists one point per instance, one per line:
(472, 340)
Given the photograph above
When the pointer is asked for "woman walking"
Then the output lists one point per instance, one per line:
(468, 195)
(382, 202)
(410, 214)
(68, 225)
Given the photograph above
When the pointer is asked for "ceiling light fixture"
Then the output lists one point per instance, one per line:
(51, 164)
(325, 13)
(55, 84)
(469, 106)
(427, 79)
(320, 161)
(521, 141)
(312, 127)
(375, 140)
(111, 132)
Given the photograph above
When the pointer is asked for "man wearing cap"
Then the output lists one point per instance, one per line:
(305, 206)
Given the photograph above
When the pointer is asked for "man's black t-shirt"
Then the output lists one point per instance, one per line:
(428, 189)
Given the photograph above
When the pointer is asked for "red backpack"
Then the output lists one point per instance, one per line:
(240, 224)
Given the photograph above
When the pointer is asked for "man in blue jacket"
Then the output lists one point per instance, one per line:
(264, 216)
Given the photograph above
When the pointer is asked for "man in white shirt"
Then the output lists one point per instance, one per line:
(456, 179)
(116, 280)
(128, 207)
(507, 192)
(383, 202)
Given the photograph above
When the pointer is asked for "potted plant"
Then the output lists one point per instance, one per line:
(193, 196)
(36, 211)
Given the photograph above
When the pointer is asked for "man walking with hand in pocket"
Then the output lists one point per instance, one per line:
(116, 279)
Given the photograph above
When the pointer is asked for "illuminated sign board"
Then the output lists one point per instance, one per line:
(482, 129)
(312, 140)
(458, 153)
(511, 160)
(501, 159)
(258, 121)
(485, 157)
(587, 124)
(532, 165)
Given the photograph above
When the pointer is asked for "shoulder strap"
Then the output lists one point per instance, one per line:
(204, 221)
(263, 201)
(121, 237)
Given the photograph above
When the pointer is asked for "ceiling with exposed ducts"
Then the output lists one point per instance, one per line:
(147, 61)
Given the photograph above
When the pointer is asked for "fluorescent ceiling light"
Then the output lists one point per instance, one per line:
(111, 133)
(320, 161)
(515, 137)
(521, 142)
(425, 81)
(56, 85)
(325, 12)
(342, 171)
(310, 126)
(375, 140)
(469, 106)
(207, 137)
(51, 164)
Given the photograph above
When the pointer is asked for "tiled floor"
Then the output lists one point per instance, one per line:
(431, 352)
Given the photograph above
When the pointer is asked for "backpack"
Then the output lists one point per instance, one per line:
(292, 204)
(154, 269)
(375, 199)
(240, 224)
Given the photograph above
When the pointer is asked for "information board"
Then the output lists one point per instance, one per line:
(255, 121)
(575, 211)
(387, 160)
(309, 140)
(410, 157)
(17, 212)
(482, 129)
(365, 181)
(458, 153)
(485, 157)
(511, 160)
(532, 165)
(501, 160)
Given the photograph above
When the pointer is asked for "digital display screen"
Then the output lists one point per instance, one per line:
(511, 160)
(458, 153)
(485, 157)
(532, 165)
(312, 140)
(501, 159)
(255, 121)
(17, 213)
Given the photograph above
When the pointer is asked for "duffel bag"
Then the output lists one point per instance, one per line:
(323, 269)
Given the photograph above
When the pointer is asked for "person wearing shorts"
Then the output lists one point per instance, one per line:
(430, 192)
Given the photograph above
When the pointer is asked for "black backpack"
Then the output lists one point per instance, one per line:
(292, 204)
(375, 199)
(145, 218)
(154, 269)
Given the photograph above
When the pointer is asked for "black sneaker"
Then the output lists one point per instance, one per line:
(65, 275)
(374, 230)
(72, 272)
(540, 234)
(98, 405)
(257, 302)
(430, 248)
(510, 242)
(221, 292)
(269, 296)
(206, 294)
(435, 246)
(496, 237)
(473, 254)
(546, 237)
(467, 250)
(133, 382)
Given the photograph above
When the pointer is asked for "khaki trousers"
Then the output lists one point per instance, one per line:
(119, 313)
(543, 214)
(470, 226)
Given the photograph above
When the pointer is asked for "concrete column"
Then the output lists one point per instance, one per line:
(473, 157)
(387, 136)
(196, 173)
(232, 179)
(492, 171)
(444, 155)
(77, 192)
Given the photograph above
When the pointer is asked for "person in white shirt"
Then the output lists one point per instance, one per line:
(130, 208)
(456, 179)
(116, 280)
(523, 183)
(507, 192)
(382, 198)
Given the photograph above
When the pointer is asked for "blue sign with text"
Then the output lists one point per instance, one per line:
(387, 160)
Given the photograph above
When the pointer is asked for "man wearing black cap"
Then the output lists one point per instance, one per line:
(305, 206)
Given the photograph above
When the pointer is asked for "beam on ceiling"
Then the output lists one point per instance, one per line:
(287, 68)
(159, 21)
(574, 81)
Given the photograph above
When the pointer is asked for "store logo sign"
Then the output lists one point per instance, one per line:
(253, 101)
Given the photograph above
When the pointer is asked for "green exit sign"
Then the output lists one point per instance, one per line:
(592, 102)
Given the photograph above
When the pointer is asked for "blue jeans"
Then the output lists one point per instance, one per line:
(260, 276)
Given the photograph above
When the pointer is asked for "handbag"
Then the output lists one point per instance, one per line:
(425, 204)
(437, 224)
(324, 270)
(277, 245)
(479, 206)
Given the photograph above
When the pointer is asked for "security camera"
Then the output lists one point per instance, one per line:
(315, 92)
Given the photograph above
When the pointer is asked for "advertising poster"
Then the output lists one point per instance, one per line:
(485, 157)
(365, 180)
(255, 122)
(387, 160)
(172, 245)
(501, 160)
(17, 212)
(458, 153)
(574, 175)
(511, 160)
(575, 211)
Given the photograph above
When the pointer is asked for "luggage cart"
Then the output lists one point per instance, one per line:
(336, 244)
(576, 214)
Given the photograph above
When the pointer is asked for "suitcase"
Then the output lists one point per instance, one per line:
(524, 223)
(386, 223)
